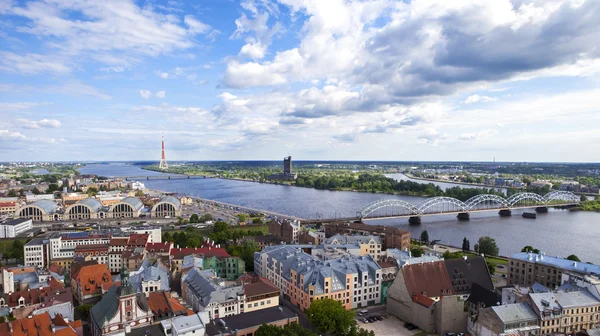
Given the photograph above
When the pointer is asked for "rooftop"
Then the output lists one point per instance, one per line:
(515, 313)
(562, 300)
(260, 287)
(247, 320)
(542, 258)
(352, 239)
(16, 221)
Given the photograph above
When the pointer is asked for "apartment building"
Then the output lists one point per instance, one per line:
(566, 312)
(37, 252)
(528, 268)
(512, 319)
(8, 208)
(354, 281)
(391, 237)
(369, 244)
(207, 292)
(98, 252)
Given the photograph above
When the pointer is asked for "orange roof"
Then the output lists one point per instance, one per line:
(118, 242)
(94, 278)
(56, 269)
(162, 302)
(37, 325)
(76, 324)
(7, 204)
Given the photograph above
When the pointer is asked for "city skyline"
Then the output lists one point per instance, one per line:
(320, 80)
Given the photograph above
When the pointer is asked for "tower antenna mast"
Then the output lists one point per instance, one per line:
(163, 158)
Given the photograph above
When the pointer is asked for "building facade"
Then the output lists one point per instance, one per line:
(12, 228)
(528, 268)
(390, 237)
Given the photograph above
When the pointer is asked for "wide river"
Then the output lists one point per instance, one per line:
(558, 232)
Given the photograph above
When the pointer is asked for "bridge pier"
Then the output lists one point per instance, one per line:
(505, 213)
(415, 220)
(541, 209)
(463, 216)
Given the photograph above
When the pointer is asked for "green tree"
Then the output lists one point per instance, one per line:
(12, 193)
(17, 250)
(425, 237)
(529, 248)
(416, 252)
(330, 317)
(220, 226)
(466, 245)
(487, 246)
(167, 236)
(193, 242)
(194, 218)
(83, 311)
(92, 191)
(257, 221)
(242, 218)
(35, 191)
(583, 198)
(52, 187)
(139, 193)
(491, 267)
(573, 258)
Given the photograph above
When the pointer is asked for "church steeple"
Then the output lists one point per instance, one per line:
(124, 276)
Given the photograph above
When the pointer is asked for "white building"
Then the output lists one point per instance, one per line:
(193, 325)
(136, 185)
(30, 198)
(155, 233)
(13, 227)
(37, 253)
(204, 291)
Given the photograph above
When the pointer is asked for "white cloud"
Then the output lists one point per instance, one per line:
(146, 94)
(163, 75)
(44, 123)
(77, 88)
(195, 26)
(32, 64)
(477, 99)
(254, 50)
(19, 106)
(484, 134)
(6, 135)
(161, 94)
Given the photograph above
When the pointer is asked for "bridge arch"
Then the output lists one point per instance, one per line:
(559, 195)
(395, 204)
(525, 196)
(427, 206)
(478, 199)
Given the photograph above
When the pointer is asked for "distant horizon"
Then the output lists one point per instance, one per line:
(305, 161)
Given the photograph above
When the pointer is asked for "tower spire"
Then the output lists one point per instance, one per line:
(163, 158)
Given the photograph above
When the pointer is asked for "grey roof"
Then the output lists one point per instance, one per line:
(593, 332)
(184, 324)
(150, 271)
(513, 313)
(351, 239)
(405, 257)
(204, 285)
(108, 307)
(170, 199)
(92, 203)
(539, 288)
(315, 271)
(464, 273)
(561, 300)
(135, 202)
(15, 221)
(47, 206)
(570, 265)
(247, 320)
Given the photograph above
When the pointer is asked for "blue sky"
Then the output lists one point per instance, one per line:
(261, 79)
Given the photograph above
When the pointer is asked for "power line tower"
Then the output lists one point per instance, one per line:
(163, 159)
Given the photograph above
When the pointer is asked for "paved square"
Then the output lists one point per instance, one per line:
(391, 326)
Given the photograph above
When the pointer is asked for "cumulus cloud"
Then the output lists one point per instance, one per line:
(146, 94)
(44, 123)
(33, 64)
(484, 134)
(431, 136)
(477, 98)
(163, 75)
(161, 94)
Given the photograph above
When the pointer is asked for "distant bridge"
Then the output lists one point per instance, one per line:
(161, 177)
(396, 208)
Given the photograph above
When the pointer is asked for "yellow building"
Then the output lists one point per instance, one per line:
(260, 295)
(566, 312)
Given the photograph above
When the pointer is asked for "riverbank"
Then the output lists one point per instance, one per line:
(458, 183)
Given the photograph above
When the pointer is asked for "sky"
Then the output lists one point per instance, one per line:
(459, 80)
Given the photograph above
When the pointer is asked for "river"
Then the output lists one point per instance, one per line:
(558, 232)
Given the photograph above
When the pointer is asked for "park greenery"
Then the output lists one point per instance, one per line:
(591, 205)
(245, 251)
(13, 251)
(425, 237)
(330, 317)
(486, 245)
(466, 245)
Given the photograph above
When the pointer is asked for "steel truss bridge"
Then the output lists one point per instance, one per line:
(390, 208)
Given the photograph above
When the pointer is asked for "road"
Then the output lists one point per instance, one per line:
(302, 318)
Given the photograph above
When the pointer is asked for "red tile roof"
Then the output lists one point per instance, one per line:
(118, 242)
(138, 239)
(159, 247)
(30, 296)
(37, 325)
(179, 253)
(260, 287)
(423, 300)
(7, 204)
(161, 302)
(94, 278)
(430, 279)
(93, 247)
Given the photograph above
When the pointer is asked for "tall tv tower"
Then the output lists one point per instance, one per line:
(163, 159)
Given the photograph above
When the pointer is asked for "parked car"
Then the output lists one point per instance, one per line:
(379, 318)
(363, 312)
(410, 326)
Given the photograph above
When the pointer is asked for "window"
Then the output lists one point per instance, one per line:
(127, 303)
